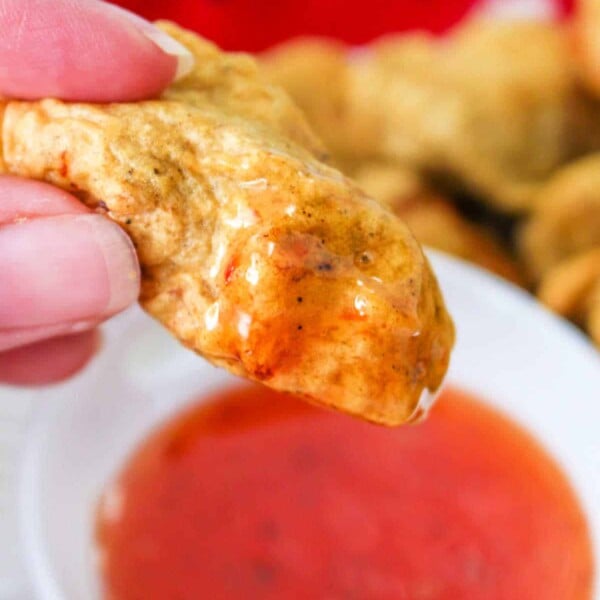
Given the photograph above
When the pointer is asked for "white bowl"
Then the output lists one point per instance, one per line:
(510, 352)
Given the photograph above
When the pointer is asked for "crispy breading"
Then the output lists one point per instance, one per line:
(493, 109)
(566, 219)
(572, 289)
(434, 220)
(254, 253)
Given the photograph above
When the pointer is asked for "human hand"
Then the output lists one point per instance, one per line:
(63, 268)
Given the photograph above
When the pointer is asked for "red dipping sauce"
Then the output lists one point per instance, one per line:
(256, 495)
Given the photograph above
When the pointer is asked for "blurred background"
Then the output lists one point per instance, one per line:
(255, 25)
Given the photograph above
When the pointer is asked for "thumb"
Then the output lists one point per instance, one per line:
(84, 50)
(63, 269)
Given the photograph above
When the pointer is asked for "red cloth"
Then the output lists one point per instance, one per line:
(254, 25)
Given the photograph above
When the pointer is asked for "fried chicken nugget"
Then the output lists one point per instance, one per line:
(566, 219)
(321, 76)
(493, 109)
(434, 220)
(254, 253)
(313, 72)
(572, 289)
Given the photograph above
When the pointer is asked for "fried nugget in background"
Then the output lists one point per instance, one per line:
(560, 243)
(313, 72)
(566, 217)
(572, 289)
(492, 109)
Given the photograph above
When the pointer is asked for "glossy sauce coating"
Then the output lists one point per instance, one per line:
(259, 496)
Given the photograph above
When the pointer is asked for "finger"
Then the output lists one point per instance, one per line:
(84, 50)
(48, 361)
(22, 198)
(62, 269)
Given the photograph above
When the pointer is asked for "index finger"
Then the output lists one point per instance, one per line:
(84, 50)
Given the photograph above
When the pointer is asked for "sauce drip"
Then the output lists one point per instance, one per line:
(256, 495)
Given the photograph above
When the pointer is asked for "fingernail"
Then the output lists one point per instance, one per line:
(169, 45)
(64, 270)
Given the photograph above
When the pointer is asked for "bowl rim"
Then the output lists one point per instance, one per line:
(499, 296)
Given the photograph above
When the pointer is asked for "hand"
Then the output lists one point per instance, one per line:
(63, 268)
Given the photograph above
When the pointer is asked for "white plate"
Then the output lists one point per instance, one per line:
(510, 351)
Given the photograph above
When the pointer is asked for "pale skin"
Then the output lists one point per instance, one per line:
(64, 269)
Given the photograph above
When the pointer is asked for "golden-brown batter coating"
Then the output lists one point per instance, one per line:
(253, 252)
